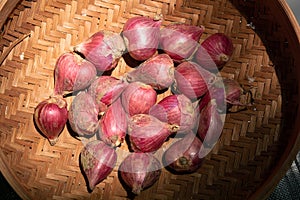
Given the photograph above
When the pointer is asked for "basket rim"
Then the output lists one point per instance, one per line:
(289, 155)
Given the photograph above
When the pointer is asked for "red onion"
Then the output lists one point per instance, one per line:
(176, 109)
(180, 40)
(105, 90)
(185, 155)
(141, 36)
(72, 73)
(103, 49)
(214, 52)
(113, 124)
(51, 116)
(210, 124)
(226, 92)
(140, 171)
(83, 115)
(97, 161)
(138, 98)
(147, 134)
(192, 80)
(157, 71)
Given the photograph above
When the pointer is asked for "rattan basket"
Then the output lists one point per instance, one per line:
(257, 145)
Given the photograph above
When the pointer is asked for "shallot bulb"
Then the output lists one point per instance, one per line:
(226, 92)
(113, 124)
(180, 40)
(104, 49)
(192, 80)
(147, 133)
(72, 73)
(210, 124)
(83, 115)
(105, 90)
(51, 116)
(177, 109)
(157, 71)
(141, 36)
(97, 161)
(214, 52)
(185, 155)
(140, 171)
(138, 98)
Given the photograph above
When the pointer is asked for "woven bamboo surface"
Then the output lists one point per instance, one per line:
(255, 149)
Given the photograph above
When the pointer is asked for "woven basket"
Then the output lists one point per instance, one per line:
(257, 145)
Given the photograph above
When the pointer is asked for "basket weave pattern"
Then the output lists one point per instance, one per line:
(252, 141)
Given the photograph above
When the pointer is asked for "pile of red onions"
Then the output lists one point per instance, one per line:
(173, 93)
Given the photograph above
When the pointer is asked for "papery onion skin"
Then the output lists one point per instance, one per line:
(138, 98)
(147, 134)
(104, 49)
(105, 90)
(185, 155)
(157, 71)
(97, 161)
(140, 171)
(192, 80)
(177, 109)
(72, 73)
(180, 40)
(51, 116)
(214, 52)
(83, 115)
(113, 124)
(210, 124)
(141, 36)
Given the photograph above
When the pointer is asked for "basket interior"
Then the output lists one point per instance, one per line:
(253, 140)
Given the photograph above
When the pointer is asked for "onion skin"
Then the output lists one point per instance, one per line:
(180, 40)
(113, 124)
(210, 124)
(214, 52)
(104, 49)
(147, 134)
(141, 36)
(176, 109)
(192, 80)
(140, 171)
(138, 98)
(105, 90)
(97, 161)
(51, 116)
(157, 71)
(83, 115)
(72, 73)
(184, 155)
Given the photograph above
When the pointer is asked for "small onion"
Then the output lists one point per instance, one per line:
(178, 110)
(192, 80)
(51, 116)
(72, 73)
(185, 155)
(210, 124)
(180, 40)
(140, 171)
(113, 124)
(105, 90)
(83, 115)
(97, 161)
(214, 52)
(104, 49)
(147, 134)
(157, 71)
(138, 98)
(141, 36)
